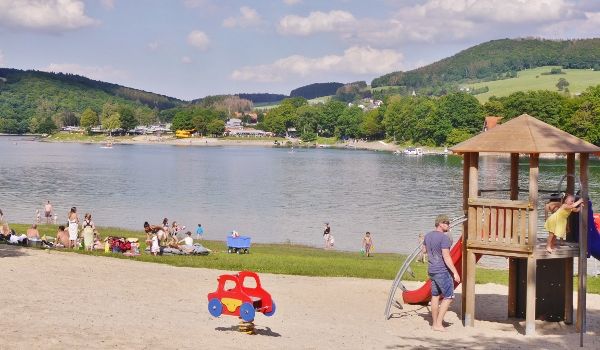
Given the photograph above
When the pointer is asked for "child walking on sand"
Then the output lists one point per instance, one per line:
(556, 224)
(367, 243)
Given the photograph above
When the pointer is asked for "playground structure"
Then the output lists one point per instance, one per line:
(540, 283)
(241, 295)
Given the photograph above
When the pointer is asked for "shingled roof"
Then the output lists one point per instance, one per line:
(525, 134)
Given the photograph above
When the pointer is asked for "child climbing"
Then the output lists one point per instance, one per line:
(556, 224)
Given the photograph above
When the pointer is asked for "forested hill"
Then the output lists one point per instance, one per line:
(498, 59)
(27, 96)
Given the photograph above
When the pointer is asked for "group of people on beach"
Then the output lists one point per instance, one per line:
(72, 235)
(158, 236)
(366, 244)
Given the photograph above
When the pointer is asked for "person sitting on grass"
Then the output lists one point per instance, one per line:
(189, 243)
(5, 232)
(62, 238)
(33, 234)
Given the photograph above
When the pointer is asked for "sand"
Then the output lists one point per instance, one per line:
(58, 300)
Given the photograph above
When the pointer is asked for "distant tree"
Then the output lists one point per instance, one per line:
(348, 124)
(216, 127)
(308, 136)
(457, 136)
(328, 116)
(67, 118)
(89, 119)
(562, 83)
(182, 121)
(112, 123)
(462, 111)
(372, 126)
(128, 121)
(47, 126)
(146, 116)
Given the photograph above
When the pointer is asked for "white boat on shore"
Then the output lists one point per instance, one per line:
(412, 151)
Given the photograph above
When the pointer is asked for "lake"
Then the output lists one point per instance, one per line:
(270, 194)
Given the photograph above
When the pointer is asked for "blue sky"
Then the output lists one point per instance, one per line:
(193, 48)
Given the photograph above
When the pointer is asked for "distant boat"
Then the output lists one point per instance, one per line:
(412, 151)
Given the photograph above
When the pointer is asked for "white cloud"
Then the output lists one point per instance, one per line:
(1, 59)
(108, 4)
(198, 39)
(186, 60)
(502, 11)
(292, 2)
(153, 45)
(316, 22)
(48, 15)
(248, 17)
(104, 73)
(355, 60)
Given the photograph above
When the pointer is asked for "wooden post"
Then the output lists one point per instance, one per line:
(568, 290)
(571, 170)
(469, 275)
(534, 170)
(583, 248)
(569, 261)
(531, 241)
(465, 230)
(514, 176)
(512, 262)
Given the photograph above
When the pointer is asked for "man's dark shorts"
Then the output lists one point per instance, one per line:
(442, 284)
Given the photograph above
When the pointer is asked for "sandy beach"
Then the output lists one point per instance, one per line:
(208, 141)
(58, 300)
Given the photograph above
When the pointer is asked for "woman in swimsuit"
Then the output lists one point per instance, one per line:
(73, 226)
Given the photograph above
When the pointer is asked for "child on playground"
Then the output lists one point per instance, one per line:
(556, 224)
(367, 243)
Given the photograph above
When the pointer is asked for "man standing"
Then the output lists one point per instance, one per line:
(48, 212)
(437, 243)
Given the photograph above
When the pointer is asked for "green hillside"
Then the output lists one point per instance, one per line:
(27, 96)
(534, 79)
(494, 60)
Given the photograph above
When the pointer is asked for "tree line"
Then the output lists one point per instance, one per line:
(433, 121)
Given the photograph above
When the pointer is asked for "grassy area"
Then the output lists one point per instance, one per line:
(76, 137)
(290, 259)
(326, 140)
(532, 79)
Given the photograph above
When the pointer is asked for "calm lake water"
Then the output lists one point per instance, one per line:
(270, 194)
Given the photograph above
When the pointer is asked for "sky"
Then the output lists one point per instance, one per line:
(193, 48)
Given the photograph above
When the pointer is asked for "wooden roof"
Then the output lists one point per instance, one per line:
(525, 134)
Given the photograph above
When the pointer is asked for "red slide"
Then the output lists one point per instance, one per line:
(423, 294)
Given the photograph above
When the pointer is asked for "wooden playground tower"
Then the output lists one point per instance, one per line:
(509, 227)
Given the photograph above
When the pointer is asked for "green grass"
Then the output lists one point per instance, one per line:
(291, 259)
(532, 79)
(327, 140)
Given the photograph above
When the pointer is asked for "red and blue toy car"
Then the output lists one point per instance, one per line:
(240, 295)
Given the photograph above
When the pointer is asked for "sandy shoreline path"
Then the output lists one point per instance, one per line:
(57, 300)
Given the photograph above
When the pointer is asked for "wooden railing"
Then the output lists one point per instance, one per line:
(499, 225)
